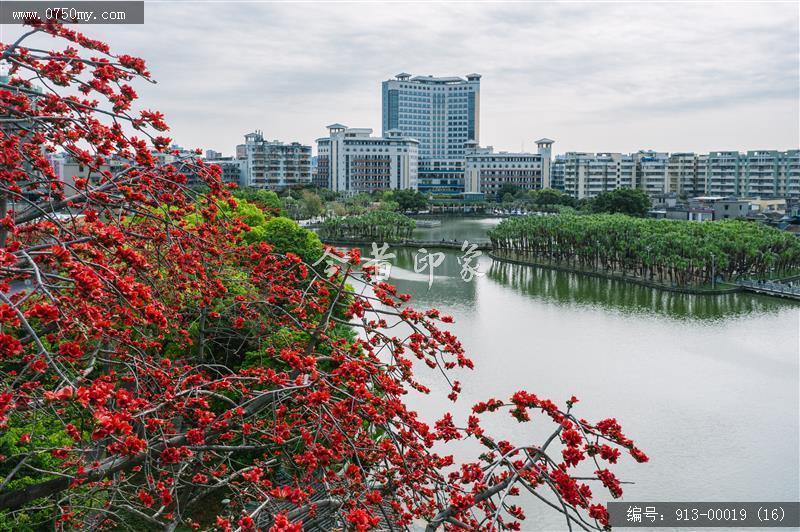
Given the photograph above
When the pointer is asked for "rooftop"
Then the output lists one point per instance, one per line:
(433, 79)
(717, 198)
(364, 134)
(443, 80)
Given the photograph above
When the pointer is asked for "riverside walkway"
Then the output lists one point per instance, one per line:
(771, 288)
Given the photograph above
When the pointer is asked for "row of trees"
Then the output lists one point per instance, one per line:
(376, 226)
(407, 200)
(630, 201)
(677, 252)
(308, 202)
(305, 203)
(173, 360)
(267, 200)
(547, 197)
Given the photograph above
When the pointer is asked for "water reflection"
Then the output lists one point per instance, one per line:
(707, 384)
(571, 288)
(553, 286)
(447, 286)
(457, 229)
(566, 288)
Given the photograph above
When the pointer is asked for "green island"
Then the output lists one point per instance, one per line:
(668, 252)
(377, 226)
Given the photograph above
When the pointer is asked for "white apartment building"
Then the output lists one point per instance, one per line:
(67, 169)
(557, 172)
(486, 171)
(724, 174)
(763, 173)
(756, 173)
(686, 174)
(760, 173)
(273, 164)
(652, 176)
(351, 160)
(576, 172)
(790, 175)
(233, 170)
(588, 174)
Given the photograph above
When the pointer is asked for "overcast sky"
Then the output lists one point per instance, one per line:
(592, 76)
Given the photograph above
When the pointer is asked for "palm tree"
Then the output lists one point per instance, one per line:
(671, 251)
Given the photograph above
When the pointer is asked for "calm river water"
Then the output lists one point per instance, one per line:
(709, 387)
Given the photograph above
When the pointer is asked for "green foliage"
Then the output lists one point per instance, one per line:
(44, 433)
(550, 197)
(389, 206)
(287, 338)
(249, 213)
(507, 190)
(683, 253)
(292, 207)
(362, 199)
(630, 201)
(328, 195)
(286, 236)
(266, 199)
(408, 200)
(280, 339)
(310, 205)
(377, 226)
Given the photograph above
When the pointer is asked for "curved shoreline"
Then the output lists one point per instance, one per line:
(612, 277)
(456, 245)
(433, 244)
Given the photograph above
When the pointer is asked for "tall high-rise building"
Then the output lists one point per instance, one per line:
(443, 114)
(350, 160)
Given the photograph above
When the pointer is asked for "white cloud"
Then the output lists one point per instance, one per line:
(600, 76)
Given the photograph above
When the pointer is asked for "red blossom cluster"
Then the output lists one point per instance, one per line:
(162, 364)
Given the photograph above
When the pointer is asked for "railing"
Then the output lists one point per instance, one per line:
(481, 242)
(771, 287)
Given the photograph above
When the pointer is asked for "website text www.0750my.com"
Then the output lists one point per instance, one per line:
(72, 11)
(69, 14)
